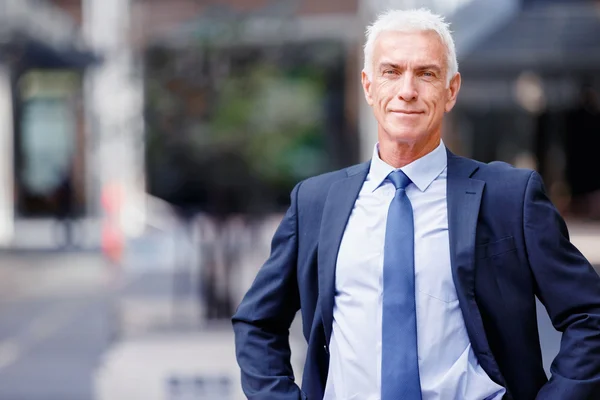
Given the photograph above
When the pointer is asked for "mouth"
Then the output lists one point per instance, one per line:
(406, 112)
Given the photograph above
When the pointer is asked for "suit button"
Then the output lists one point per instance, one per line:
(325, 348)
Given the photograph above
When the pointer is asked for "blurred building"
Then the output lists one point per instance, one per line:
(221, 106)
(531, 97)
(42, 135)
(72, 122)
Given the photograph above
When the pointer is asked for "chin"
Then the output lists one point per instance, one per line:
(404, 134)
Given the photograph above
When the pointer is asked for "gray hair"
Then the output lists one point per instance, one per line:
(408, 21)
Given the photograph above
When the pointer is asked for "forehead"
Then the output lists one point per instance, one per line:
(402, 47)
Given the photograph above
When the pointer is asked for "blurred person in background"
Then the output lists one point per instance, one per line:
(416, 272)
(66, 211)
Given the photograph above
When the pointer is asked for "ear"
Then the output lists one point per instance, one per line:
(453, 90)
(366, 84)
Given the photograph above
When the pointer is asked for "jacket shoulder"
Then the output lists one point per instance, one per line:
(504, 181)
(506, 170)
(321, 183)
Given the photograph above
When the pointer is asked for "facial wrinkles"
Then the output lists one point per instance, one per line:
(386, 92)
(390, 90)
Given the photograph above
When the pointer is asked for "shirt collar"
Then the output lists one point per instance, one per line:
(422, 172)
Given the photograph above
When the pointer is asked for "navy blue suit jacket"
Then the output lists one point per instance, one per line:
(508, 244)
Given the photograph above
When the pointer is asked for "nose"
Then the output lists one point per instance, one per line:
(408, 90)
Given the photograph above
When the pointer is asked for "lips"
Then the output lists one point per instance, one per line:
(408, 112)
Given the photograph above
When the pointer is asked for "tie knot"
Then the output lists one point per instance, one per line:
(399, 179)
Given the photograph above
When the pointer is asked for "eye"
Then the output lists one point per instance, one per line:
(428, 74)
(390, 72)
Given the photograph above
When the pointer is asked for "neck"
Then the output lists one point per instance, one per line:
(399, 154)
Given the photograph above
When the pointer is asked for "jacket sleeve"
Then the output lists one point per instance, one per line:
(262, 321)
(569, 288)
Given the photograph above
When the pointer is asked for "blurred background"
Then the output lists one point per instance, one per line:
(148, 148)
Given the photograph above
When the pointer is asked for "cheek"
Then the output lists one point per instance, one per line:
(436, 103)
(381, 102)
(384, 96)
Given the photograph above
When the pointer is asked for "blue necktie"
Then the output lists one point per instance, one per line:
(399, 362)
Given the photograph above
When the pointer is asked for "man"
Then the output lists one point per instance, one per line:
(416, 273)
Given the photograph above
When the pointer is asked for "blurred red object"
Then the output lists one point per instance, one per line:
(112, 234)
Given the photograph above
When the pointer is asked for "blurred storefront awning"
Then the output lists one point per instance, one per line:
(37, 34)
(32, 53)
(553, 37)
(274, 23)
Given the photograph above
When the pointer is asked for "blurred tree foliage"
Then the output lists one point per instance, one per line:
(233, 129)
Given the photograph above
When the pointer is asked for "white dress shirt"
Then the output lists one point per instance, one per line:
(447, 364)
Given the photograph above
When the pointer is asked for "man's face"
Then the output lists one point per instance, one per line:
(407, 89)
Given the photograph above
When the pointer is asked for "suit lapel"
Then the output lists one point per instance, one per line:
(338, 207)
(464, 200)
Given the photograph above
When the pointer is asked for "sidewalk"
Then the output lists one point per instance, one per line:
(195, 365)
(56, 321)
(39, 274)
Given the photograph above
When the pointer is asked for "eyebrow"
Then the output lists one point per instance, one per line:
(389, 65)
(434, 67)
